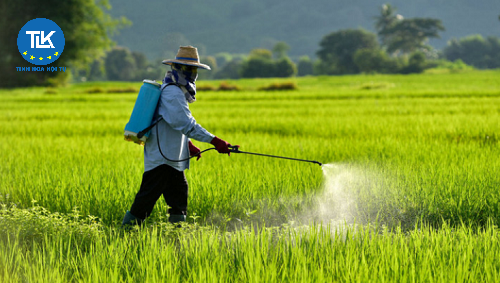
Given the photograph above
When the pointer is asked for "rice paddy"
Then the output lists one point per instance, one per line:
(408, 193)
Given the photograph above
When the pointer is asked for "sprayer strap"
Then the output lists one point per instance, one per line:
(167, 85)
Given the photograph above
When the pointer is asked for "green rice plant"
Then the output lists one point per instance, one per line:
(71, 145)
(300, 254)
(409, 190)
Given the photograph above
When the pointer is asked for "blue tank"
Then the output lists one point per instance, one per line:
(144, 109)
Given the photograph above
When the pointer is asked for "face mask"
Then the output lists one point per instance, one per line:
(186, 79)
(185, 72)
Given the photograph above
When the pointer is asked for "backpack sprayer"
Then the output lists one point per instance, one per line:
(143, 112)
(141, 122)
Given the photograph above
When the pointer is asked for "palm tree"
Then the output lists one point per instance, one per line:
(386, 20)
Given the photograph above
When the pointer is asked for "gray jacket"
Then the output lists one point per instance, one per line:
(177, 126)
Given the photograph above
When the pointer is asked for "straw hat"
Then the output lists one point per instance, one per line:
(187, 55)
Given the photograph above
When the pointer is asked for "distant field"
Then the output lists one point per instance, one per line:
(416, 155)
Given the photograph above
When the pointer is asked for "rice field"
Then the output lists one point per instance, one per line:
(409, 191)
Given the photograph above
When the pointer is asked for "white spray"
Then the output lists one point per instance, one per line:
(335, 204)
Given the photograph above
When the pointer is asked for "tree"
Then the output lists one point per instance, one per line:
(260, 64)
(145, 69)
(141, 62)
(475, 50)
(230, 70)
(95, 72)
(280, 49)
(375, 61)
(386, 20)
(416, 64)
(120, 65)
(305, 66)
(260, 53)
(405, 35)
(411, 35)
(284, 68)
(87, 30)
(257, 67)
(337, 50)
(223, 58)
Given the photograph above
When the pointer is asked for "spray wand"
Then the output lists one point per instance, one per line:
(232, 148)
(236, 149)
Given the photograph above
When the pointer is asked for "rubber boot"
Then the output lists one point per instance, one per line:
(176, 218)
(130, 220)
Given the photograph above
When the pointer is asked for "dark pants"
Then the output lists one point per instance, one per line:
(162, 180)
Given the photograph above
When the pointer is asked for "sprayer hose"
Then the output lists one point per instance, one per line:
(234, 149)
(185, 159)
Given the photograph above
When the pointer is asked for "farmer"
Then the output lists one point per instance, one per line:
(170, 141)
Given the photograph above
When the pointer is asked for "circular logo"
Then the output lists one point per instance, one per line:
(40, 41)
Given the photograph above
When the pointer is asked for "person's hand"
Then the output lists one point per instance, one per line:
(193, 150)
(221, 146)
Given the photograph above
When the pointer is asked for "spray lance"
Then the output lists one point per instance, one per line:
(232, 148)
(236, 149)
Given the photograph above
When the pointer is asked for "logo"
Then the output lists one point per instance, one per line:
(40, 41)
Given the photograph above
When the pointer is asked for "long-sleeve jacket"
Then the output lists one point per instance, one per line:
(177, 126)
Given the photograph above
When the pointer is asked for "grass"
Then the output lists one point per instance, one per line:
(199, 254)
(410, 192)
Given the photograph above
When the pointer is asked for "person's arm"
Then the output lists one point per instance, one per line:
(175, 111)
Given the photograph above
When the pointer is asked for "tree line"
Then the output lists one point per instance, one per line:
(399, 45)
